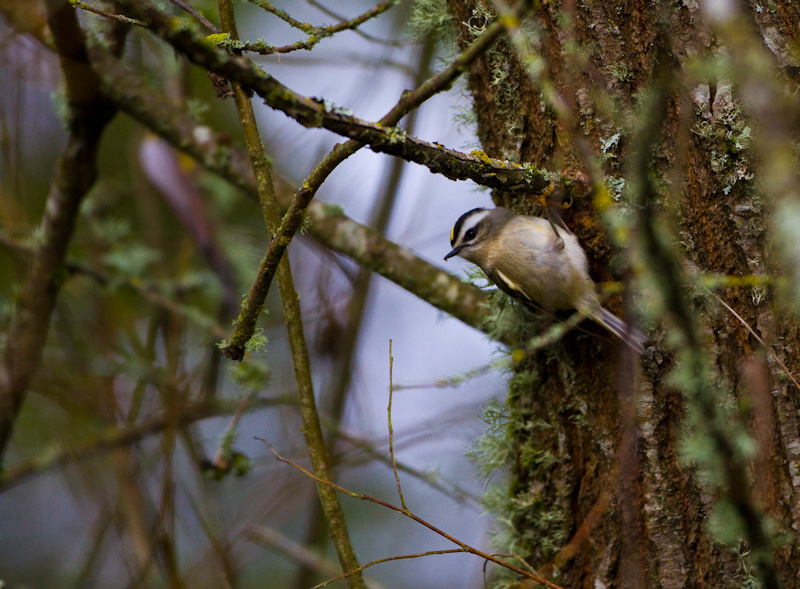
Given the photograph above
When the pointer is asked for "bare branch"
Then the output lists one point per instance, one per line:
(465, 547)
(391, 432)
(388, 559)
(316, 34)
(118, 17)
(116, 436)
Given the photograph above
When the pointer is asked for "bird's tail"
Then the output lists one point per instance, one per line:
(630, 335)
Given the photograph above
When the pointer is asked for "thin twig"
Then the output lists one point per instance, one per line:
(758, 338)
(297, 553)
(409, 514)
(224, 451)
(433, 479)
(115, 437)
(118, 17)
(517, 557)
(324, 9)
(388, 559)
(284, 16)
(316, 34)
(391, 433)
(197, 15)
(457, 380)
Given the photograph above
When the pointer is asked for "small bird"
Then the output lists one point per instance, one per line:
(529, 261)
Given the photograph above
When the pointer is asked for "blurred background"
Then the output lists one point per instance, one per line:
(162, 255)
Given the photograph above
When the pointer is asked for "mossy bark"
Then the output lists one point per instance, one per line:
(569, 404)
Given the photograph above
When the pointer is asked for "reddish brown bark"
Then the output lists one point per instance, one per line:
(572, 412)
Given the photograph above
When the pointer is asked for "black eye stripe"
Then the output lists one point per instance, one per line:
(460, 223)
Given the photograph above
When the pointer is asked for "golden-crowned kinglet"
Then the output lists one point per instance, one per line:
(525, 258)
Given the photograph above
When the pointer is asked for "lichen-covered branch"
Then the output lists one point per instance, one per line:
(309, 112)
(312, 428)
(329, 225)
(246, 322)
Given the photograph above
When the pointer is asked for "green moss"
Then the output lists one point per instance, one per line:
(728, 136)
(620, 71)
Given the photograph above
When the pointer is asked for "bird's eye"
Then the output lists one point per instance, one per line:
(470, 234)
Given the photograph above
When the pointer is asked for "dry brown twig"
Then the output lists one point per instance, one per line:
(364, 497)
(391, 433)
(463, 547)
(760, 340)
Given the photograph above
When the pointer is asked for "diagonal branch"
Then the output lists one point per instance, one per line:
(329, 225)
(310, 112)
(246, 322)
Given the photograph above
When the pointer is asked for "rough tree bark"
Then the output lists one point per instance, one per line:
(570, 406)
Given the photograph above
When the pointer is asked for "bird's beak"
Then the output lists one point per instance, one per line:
(453, 252)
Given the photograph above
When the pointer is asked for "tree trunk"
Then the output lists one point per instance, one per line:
(611, 485)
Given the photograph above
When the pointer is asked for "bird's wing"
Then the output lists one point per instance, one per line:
(509, 287)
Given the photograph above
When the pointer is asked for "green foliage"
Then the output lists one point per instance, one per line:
(131, 259)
